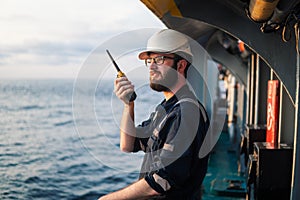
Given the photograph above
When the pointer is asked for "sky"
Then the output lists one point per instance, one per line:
(53, 38)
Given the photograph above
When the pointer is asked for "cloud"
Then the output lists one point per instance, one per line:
(52, 33)
(43, 53)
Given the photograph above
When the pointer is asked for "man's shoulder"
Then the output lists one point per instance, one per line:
(190, 106)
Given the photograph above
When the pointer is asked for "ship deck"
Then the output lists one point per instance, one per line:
(223, 180)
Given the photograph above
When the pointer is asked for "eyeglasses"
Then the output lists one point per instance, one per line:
(159, 60)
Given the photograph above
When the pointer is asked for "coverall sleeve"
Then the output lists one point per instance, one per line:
(143, 132)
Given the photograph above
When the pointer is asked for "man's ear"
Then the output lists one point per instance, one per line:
(181, 65)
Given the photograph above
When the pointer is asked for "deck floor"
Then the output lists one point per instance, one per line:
(223, 168)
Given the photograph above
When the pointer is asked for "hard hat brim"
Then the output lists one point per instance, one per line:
(145, 54)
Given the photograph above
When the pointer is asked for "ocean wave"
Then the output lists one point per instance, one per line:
(113, 179)
(63, 123)
(47, 193)
(13, 155)
(32, 107)
(33, 179)
(89, 196)
(18, 144)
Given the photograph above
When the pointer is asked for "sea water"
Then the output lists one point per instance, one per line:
(48, 152)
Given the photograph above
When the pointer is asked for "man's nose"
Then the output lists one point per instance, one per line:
(152, 65)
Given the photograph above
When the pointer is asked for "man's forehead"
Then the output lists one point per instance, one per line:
(155, 54)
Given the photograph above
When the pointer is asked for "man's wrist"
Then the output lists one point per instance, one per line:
(129, 104)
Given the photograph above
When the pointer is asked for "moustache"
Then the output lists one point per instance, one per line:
(152, 72)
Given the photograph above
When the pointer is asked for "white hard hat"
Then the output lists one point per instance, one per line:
(168, 41)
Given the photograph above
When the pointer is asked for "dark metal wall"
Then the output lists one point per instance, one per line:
(202, 19)
(231, 18)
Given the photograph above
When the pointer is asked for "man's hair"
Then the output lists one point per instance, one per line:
(177, 58)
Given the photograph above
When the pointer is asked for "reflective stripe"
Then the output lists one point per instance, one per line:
(155, 132)
(162, 182)
(168, 147)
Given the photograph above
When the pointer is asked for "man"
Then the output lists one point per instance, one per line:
(173, 135)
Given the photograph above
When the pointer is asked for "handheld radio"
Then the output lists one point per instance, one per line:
(132, 96)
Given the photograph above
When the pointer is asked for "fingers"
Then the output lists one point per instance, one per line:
(122, 88)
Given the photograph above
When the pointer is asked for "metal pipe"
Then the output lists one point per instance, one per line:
(295, 193)
(256, 100)
(280, 112)
(248, 90)
(251, 89)
(262, 10)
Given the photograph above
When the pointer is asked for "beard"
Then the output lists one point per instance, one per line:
(167, 82)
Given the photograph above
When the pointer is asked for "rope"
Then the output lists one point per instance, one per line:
(286, 29)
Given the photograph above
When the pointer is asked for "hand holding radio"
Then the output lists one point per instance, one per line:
(123, 87)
